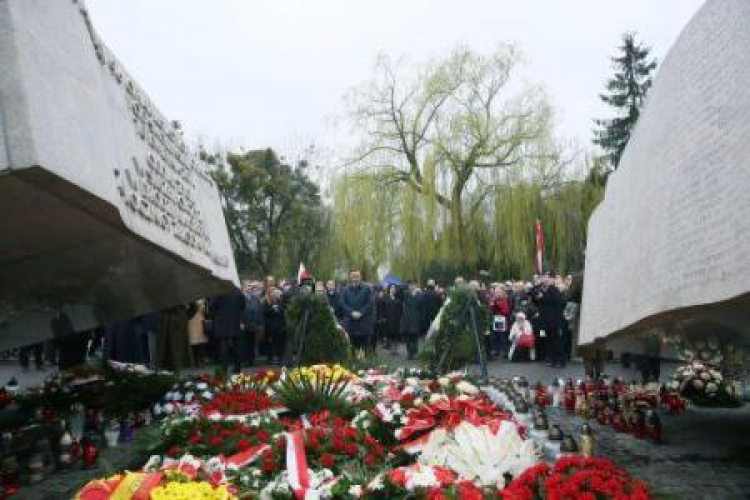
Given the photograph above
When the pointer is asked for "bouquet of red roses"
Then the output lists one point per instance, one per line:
(576, 478)
(238, 402)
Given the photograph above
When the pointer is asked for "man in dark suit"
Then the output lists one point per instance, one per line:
(551, 303)
(253, 322)
(431, 302)
(227, 311)
(334, 300)
(357, 306)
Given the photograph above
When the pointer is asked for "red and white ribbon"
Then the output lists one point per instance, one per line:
(296, 464)
(248, 456)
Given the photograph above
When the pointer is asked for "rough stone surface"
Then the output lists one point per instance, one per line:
(666, 247)
(106, 213)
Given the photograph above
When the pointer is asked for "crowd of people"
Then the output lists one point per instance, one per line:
(530, 321)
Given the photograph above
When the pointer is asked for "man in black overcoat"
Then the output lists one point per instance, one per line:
(227, 311)
(357, 304)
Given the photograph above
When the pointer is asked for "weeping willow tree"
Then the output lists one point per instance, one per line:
(457, 161)
(444, 131)
(411, 232)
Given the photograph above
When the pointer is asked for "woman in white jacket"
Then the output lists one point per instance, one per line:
(521, 335)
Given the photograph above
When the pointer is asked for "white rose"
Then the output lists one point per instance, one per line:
(434, 398)
(355, 491)
(444, 381)
(467, 388)
(168, 408)
(419, 401)
(711, 388)
(202, 386)
(698, 384)
(706, 376)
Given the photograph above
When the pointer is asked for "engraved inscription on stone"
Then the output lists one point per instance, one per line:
(671, 231)
(160, 187)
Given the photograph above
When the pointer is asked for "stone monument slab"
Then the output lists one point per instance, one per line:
(105, 212)
(668, 245)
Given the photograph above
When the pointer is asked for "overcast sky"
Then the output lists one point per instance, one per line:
(273, 72)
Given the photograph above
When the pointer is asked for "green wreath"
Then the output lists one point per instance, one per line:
(454, 345)
(324, 342)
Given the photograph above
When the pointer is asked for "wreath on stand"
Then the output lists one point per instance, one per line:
(325, 341)
(453, 345)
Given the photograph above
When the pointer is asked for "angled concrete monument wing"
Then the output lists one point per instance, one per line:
(105, 213)
(669, 244)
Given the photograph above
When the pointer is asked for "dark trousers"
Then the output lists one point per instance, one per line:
(275, 344)
(230, 351)
(555, 349)
(200, 353)
(36, 350)
(412, 344)
(248, 346)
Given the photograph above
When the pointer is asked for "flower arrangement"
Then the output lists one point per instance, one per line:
(238, 402)
(445, 412)
(404, 435)
(417, 481)
(325, 372)
(153, 486)
(576, 477)
(204, 437)
(704, 385)
(309, 390)
(480, 453)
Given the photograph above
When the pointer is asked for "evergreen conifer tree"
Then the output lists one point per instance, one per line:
(626, 93)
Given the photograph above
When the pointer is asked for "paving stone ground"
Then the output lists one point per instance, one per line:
(706, 454)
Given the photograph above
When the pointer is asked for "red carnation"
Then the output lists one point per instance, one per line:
(467, 490)
(327, 460)
(398, 476)
(370, 459)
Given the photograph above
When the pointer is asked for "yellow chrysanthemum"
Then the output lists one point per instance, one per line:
(191, 491)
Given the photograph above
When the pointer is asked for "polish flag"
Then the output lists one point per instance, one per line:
(300, 273)
(539, 256)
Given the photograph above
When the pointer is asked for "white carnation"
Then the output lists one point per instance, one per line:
(467, 388)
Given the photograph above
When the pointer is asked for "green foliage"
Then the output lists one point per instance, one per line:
(448, 133)
(324, 342)
(410, 231)
(627, 91)
(300, 395)
(126, 392)
(454, 344)
(269, 207)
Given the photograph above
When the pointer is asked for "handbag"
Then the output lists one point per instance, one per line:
(525, 340)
